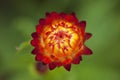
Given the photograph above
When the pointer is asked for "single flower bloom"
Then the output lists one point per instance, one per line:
(59, 40)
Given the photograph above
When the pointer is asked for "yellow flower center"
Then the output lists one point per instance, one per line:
(61, 40)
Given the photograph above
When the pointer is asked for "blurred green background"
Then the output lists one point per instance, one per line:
(18, 19)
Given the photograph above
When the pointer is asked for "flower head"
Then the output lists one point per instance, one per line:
(59, 40)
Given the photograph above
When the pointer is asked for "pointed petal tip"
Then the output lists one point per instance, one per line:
(80, 58)
(34, 51)
(52, 66)
(73, 13)
(87, 51)
(42, 21)
(83, 23)
(34, 35)
(67, 67)
(62, 13)
(76, 60)
(54, 14)
(47, 14)
(88, 36)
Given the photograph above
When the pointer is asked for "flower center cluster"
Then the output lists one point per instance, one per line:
(61, 39)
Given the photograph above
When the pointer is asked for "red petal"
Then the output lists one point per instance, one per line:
(35, 51)
(67, 67)
(46, 60)
(34, 42)
(62, 14)
(82, 25)
(71, 18)
(87, 36)
(38, 57)
(73, 14)
(80, 58)
(54, 15)
(77, 60)
(47, 14)
(39, 28)
(49, 20)
(67, 61)
(42, 21)
(52, 66)
(59, 64)
(87, 51)
(34, 35)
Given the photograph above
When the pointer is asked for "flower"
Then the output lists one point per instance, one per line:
(59, 40)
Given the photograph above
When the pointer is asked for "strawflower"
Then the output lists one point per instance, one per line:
(59, 40)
